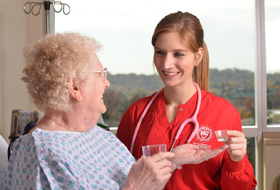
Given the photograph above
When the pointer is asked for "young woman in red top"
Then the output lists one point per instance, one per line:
(181, 58)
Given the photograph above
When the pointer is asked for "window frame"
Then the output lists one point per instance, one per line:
(260, 92)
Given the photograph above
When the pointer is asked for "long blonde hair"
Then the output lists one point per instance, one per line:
(191, 31)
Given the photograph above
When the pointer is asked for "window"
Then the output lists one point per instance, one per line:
(128, 53)
(272, 30)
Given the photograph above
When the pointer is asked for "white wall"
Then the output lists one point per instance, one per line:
(17, 30)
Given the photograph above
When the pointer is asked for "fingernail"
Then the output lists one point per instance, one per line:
(179, 167)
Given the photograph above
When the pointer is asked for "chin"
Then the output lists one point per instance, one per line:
(103, 110)
(169, 84)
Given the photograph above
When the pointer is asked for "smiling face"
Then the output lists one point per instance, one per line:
(93, 91)
(174, 60)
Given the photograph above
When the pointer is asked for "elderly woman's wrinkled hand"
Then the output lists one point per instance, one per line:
(150, 173)
(194, 154)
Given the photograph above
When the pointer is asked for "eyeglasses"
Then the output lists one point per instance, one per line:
(103, 72)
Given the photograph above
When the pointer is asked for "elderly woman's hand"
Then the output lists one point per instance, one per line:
(194, 154)
(237, 145)
(150, 173)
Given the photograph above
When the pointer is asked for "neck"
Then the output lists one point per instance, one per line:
(179, 94)
(81, 118)
(71, 119)
(54, 119)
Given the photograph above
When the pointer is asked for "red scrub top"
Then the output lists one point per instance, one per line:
(215, 114)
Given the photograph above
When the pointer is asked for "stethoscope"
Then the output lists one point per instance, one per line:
(193, 119)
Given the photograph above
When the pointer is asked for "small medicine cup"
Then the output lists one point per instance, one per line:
(221, 135)
(150, 150)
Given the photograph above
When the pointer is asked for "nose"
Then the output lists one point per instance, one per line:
(107, 83)
(168, 61)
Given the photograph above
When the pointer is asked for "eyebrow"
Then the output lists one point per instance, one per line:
(156, 48)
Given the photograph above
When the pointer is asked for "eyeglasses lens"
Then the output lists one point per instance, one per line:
(104, 74)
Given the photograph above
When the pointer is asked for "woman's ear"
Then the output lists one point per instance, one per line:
(199, 56)
(74, 90)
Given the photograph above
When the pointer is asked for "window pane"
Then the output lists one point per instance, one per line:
(272, 31)
(125, 29)
(251, 151)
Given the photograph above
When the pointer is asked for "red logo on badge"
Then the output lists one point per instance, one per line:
(205, 134)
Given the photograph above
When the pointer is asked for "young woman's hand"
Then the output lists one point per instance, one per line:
(150, 173)
(237, 145)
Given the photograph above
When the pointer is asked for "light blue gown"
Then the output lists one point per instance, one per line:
(95, 159)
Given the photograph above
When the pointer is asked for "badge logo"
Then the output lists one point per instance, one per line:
(205, 134)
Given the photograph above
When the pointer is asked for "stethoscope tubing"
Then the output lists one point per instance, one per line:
(193, 119)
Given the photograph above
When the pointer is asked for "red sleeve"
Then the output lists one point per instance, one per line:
(243, 179)
(237, 175)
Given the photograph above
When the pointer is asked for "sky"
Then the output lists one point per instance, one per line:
(125, 28)
(272, 44)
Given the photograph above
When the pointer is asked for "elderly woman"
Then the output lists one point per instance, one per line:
(66, 150)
